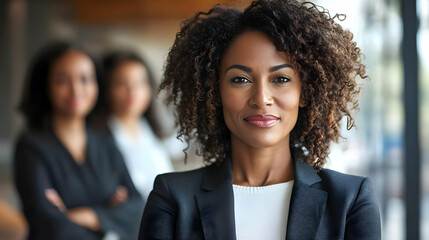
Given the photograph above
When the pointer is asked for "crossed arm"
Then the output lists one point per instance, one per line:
(49, 217)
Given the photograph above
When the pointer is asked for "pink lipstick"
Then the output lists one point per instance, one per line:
(262, 120)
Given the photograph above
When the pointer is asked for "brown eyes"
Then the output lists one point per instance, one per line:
(239, 80)
(87, 79)
(281, 79)
(243, 80)
(64, 79)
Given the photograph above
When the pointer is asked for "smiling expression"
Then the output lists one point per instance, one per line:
(73, 87)
(260, 91)
(130, 91)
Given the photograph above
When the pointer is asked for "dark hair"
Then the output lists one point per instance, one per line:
(323, 53)
(35, 104)
(109, 64)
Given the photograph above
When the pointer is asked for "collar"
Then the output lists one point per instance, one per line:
(218, 174)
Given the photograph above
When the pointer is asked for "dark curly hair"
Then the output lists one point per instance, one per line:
(323, 53)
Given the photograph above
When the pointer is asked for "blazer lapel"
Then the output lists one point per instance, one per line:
(307, 204)
(216, 203)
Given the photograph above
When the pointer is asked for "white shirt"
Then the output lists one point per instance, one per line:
(262, 212)
(145, 156)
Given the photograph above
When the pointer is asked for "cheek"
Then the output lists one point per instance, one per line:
(58, 93)
(232, 101)
(144, 95)
(233, 104)
(292, 101)
(289, 104)
(147, 97)
(289, 97)
(117, 95)
(92, 91)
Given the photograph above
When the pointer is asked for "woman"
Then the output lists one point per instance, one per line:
(73, 182)
(129, 88)
(263, 91)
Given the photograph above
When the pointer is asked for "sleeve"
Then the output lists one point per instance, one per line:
(158, 221)
(363, 221)
(124, 218)
(31, 177)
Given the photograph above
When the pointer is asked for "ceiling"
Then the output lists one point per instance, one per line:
(111, 11)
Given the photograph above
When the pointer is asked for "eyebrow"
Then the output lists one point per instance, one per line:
(275, 68)
(248, 69)
(241, 67)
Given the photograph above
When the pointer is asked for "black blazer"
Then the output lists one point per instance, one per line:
(199, 204)
(42, 162)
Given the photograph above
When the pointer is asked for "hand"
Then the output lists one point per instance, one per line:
(120, 196)
(55, 199)
(85, 217)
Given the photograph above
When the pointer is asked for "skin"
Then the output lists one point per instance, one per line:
(72, 90)
(257, 79)
(130, 94)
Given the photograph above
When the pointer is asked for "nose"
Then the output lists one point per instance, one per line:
(261, 95)
(75, 86)
(130, 89)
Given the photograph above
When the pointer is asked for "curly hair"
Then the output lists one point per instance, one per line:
(324, 54)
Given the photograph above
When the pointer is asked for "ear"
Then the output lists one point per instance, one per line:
(302, 102)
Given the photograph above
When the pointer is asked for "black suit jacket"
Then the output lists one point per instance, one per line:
(42, 162)
(199, 204)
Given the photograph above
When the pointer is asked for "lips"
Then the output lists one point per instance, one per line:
(262, 120)
(73, 103)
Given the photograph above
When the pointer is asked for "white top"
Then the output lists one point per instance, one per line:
(262, 212)
(145, 156)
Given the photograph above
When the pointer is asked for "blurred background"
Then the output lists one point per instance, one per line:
(376, 148)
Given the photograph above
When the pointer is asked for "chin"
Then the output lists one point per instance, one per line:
(262, 140)
(265, 144)
(78, 113)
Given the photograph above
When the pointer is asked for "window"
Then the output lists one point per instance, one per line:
(375, 148)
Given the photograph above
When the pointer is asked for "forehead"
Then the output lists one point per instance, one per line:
(72, 60)
(130, 65)
(253, 48)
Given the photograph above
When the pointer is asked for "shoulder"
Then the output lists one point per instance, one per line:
(181, 183)
(30, 136)
(344, 186)
(33, 148)
(348, 190)
(340, 181)
(34, 140)
(191, 177)
(352, 199)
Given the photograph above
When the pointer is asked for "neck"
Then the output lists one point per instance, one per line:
(72, 133)
(261, 166)
(130, 123)
(65, 124)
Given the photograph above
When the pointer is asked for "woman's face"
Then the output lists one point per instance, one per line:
(260, 91)
(72, 85)
(130, 91)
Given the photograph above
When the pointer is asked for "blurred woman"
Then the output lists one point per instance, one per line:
(73, 182)
(129, 91)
